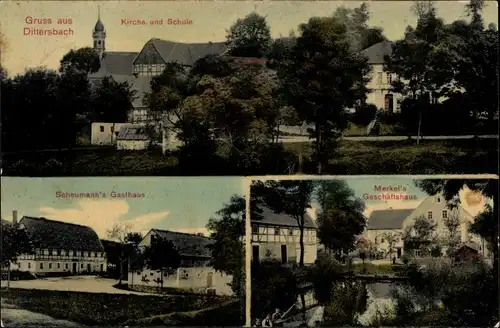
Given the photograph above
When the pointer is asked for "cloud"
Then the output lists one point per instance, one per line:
(102, 215)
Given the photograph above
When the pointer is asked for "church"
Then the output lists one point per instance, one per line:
(138, 68)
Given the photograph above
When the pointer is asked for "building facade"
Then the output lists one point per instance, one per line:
(385, 224)
(61, 247)
(194, 272)
(277, 236)
(380, 89)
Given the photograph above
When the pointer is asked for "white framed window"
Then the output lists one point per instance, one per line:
(429, 215)
(445, 214)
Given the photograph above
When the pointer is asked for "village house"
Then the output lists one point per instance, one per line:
(132, 137)
(381, 94)
(60, 248)
(194, 273)
(384, 225)
(276, 236)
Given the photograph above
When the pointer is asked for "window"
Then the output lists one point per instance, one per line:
(70, 253)
(29, 265)
(58, 265)
(66, 266)
(389, 103)
(429, 215)
(379, 78)
(290, 231)
(381, 240)
(439, 199)
(255, 229)
(151, 274)
(81, 265)
(59, 252)
(101, 128)
(50, 265)
(389, 78)
(41, 265)
(445, 214)
(276, 230)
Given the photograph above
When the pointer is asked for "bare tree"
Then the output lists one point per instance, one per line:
(120, 233)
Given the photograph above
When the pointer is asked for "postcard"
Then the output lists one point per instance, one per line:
(140, 88)
(105, 252)
(374, 251)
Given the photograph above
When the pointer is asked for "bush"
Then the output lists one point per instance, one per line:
(18, 275)
(324, 273)
(273, 286)
(364, 114)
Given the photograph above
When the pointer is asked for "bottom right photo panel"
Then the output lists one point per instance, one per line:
(374, 251)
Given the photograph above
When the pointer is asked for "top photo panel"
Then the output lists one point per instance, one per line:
(175, 88)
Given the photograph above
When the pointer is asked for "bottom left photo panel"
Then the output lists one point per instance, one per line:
(130, 252)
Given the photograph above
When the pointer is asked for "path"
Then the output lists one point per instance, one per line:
(88, 284)
(290, 139)
(13, 316)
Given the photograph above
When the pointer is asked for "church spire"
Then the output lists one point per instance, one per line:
(99, 34)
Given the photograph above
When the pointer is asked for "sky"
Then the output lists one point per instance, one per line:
(177, 204)
(364, 188)
(210, 20)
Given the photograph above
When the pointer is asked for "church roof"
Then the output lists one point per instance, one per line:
(185, 53)
(117, 62)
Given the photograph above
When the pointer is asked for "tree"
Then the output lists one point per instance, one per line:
(249, 37)
(391, 238)
(452, 238)
(161, 255)
(321, 79)
(422, 61)
(356, 20)
(121, 232)
(85, 60)
(14, 243)
(273, 286)
(324, 274)
(227, 232)
(340, 220)
(419, 236)
(112, 101)
(290, 197)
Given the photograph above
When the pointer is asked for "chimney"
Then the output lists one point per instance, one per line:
(14, 217)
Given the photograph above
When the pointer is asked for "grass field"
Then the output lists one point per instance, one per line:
(108, 309)
(352, 157)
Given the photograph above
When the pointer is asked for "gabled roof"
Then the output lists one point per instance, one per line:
(377, 52)
(187, 244)
(471, 245)
(50, 234)
(116, 62)
(132, 132)
(387, 219)
(271, 218)
(185, 53)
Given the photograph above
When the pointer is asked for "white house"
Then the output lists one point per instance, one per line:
(132, 137)
(381, 94)
(104, 133)
(60, 247)
(276, 236)
(194, 274)
(384, 223)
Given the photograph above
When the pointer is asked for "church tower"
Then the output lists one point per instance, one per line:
(99, 35)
